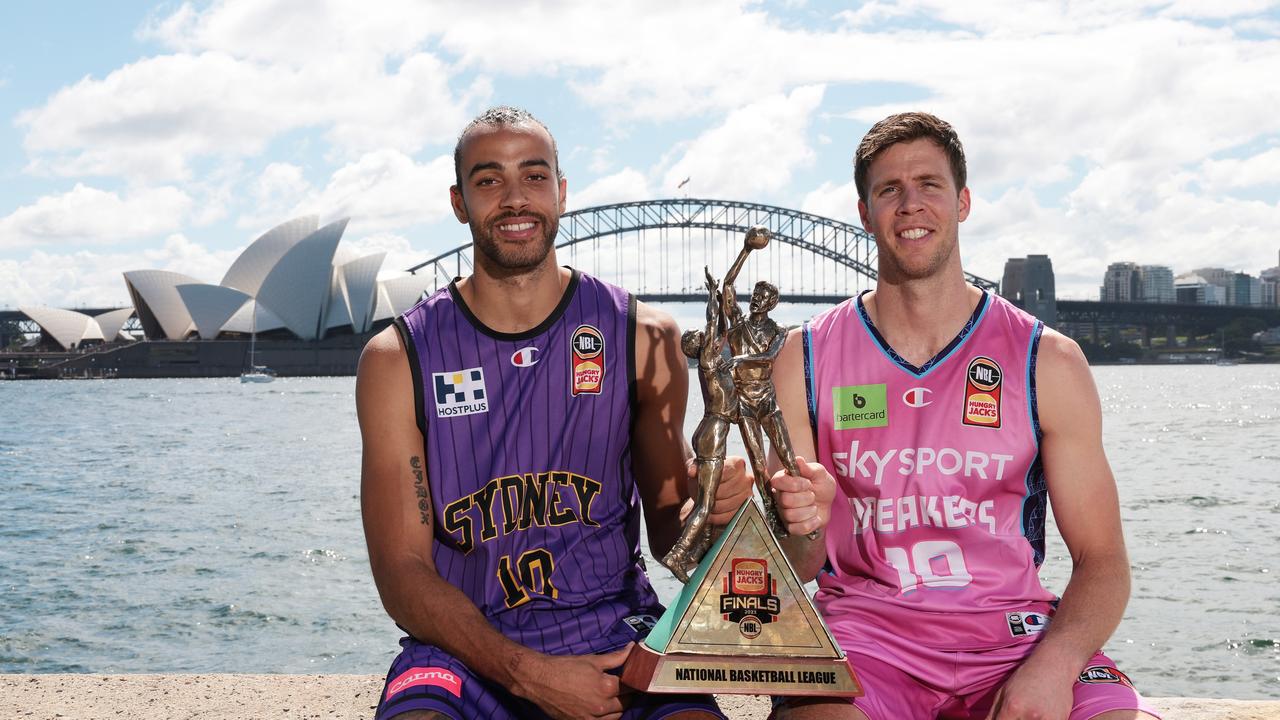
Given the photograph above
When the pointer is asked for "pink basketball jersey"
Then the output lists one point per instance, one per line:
(937, 529)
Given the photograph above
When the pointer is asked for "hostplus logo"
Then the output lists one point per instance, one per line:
(860, 406)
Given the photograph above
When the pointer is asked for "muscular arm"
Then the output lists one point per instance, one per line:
(804, 502)
(661, 455)
(1082, 493)
(398, 531)
(660, 452)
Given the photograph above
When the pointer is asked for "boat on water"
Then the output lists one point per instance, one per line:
(256, 373)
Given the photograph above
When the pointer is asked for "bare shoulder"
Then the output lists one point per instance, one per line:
(383, 360)
(1060, 358)
(657, 337)
(650, 321)
(1066, 395)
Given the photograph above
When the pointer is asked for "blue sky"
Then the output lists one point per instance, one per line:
(170, 135)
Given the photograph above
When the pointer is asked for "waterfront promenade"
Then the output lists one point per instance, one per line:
(347, 697)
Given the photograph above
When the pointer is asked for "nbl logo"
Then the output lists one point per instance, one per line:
(984, 373)
(982, 393)
(586, 365)
(587, 344)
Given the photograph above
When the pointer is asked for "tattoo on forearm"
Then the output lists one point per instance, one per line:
(420, 487)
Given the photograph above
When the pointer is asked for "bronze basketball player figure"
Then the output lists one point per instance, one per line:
(710, 440)
(755, 341)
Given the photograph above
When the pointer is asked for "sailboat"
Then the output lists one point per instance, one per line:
(256, 373)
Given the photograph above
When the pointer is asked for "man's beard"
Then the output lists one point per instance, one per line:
(505, 257)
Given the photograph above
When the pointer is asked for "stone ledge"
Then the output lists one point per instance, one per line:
(346, 697)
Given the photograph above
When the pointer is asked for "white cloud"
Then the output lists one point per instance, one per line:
(1221, 176)
(626, 185)
(385, 189)
(95, 279)
(151, 120)
(89, 216)
(401, 254)
(754, 152)
(838, 202)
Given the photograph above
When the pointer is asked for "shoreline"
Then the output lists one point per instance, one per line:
(348, 697)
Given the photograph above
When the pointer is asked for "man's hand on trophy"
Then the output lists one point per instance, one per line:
(804, 502)
(735, 486)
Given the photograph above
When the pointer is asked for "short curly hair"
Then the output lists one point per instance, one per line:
(502, 115)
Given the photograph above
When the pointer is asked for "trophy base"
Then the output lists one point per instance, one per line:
(651, 671)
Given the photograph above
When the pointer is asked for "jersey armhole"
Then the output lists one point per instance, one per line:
(415, 371)
(1033, 410)
(810, 395)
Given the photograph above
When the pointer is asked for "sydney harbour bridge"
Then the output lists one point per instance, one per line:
(657, 249)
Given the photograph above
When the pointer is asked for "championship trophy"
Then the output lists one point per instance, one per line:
(743, 623)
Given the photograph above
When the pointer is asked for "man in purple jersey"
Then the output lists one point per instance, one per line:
(935, 470)
(510, 438)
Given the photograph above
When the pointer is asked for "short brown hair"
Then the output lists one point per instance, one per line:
(905, 127)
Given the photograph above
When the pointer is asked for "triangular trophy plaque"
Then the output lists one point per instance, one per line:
(743, 624)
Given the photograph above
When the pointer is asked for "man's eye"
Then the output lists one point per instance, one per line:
(486, 181)
(537, 176)
(888, 190)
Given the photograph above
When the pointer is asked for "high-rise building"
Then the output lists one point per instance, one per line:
(1244, 289)
(1191, 288)
(1029, 283)
(1269, 284)
(1122, 283)
(1156, 284)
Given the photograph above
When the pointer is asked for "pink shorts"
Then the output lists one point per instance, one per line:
(963, 684)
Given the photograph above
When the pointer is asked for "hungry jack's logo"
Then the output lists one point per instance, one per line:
(982, 393)
(586, 366)
(749, 597)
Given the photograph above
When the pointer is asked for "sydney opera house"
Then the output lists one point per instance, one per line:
(294, 288)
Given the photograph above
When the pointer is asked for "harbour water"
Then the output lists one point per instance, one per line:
(210, 526)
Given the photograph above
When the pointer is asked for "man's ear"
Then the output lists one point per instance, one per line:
(963, 205)
(862, 215)
(564, 186)
(459, 205)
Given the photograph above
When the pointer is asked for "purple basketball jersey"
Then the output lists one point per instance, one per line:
(527, 439)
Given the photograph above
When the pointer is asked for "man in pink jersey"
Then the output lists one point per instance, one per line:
(944, 420)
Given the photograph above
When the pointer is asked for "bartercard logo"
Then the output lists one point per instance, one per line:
(859, 406)
(460, 392)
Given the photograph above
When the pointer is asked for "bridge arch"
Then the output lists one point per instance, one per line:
(813, 258)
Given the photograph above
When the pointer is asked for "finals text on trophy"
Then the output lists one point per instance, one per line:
(743, 623)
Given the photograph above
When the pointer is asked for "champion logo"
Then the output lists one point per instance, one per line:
(917, 397)
(525, 357)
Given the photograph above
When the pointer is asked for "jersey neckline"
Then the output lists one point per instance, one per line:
(943, 354)
(527, 334)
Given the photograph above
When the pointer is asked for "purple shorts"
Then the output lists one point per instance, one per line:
(424, 677)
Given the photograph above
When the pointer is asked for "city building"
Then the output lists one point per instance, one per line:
(1029, 283)
(1156, 283)
(1191, 288)
(1121, 283)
